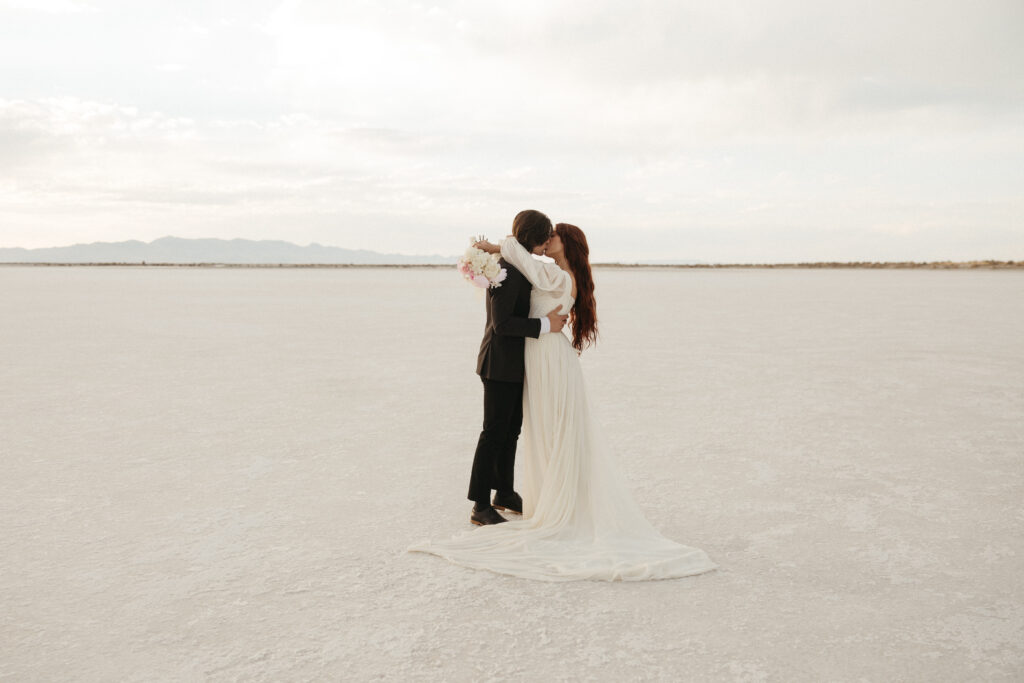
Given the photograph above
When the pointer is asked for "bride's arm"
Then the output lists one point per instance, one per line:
(484, 245)
(544, 276)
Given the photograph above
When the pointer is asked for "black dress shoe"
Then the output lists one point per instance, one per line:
(511, 502)
(487, 515)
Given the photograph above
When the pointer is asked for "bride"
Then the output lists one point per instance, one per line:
(579, 519)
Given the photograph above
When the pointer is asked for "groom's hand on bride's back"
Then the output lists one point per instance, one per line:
(557, 319)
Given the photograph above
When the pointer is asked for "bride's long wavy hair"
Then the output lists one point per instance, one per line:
(583, 316)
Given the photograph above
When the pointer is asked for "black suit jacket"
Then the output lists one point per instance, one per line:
(508, 326)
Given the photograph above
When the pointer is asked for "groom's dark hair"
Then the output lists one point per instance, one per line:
(531, 228)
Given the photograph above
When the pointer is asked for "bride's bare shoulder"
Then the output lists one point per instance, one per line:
(572, 279)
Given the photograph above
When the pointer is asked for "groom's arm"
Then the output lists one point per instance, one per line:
(501, 302)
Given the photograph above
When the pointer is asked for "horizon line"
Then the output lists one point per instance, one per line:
(934, 265)
(637, 262)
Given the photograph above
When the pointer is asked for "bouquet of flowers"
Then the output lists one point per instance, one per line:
(480, 268)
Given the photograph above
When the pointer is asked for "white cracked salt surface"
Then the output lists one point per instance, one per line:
(214, 473)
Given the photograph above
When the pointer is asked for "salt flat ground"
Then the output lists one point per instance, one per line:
(214, 473)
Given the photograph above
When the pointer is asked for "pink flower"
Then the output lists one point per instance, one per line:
(481, 281)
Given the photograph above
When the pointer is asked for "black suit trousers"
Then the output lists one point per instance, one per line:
(495, 459)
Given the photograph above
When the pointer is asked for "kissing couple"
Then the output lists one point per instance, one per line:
(578, 517)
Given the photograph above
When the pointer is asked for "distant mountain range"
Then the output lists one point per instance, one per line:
(181, 250)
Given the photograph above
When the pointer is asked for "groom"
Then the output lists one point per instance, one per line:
(500, 366)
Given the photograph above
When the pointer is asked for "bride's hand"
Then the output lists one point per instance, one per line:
(484, 245)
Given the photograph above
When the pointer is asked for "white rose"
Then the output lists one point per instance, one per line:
(491, 270)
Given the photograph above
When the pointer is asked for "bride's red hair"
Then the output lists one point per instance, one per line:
(583, 315)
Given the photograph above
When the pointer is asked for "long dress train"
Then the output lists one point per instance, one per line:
(579, 519)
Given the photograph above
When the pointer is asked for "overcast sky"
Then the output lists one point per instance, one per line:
(719, 131)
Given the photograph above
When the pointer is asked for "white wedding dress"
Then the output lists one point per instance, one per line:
(579, 519)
